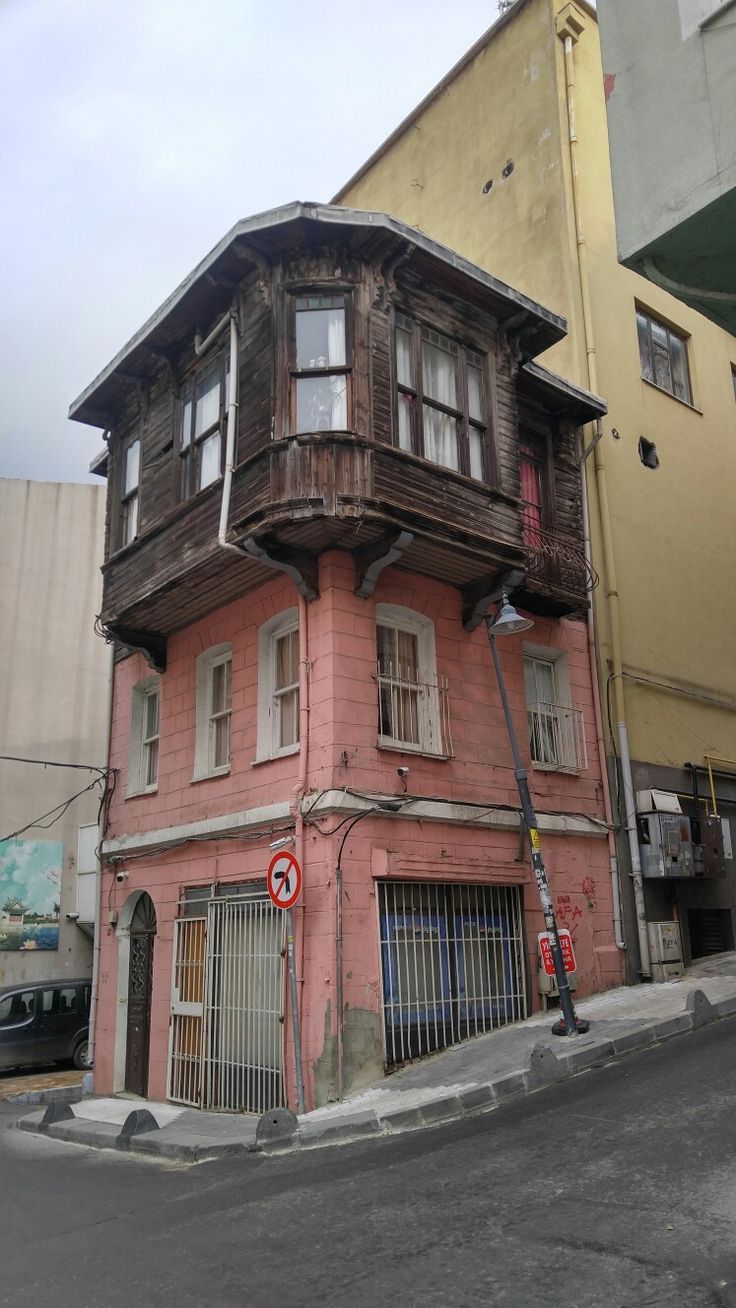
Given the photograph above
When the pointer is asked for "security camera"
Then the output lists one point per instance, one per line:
(282, 842)
(72, 917)
(121, 876)
(403, 772)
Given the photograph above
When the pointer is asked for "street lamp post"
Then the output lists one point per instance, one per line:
(508, 622)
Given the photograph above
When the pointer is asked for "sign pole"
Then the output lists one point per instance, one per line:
(295, 1018)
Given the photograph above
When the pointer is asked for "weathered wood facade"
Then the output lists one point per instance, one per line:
(297, 493)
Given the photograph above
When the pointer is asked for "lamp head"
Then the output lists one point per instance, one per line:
(507, 621)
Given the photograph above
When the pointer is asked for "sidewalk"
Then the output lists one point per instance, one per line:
(471, 1078)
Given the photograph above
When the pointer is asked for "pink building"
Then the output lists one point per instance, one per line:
(329, 454)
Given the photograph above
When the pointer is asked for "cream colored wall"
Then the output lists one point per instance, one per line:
(673, 527)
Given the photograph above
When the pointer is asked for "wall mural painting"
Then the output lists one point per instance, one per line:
(30, 889)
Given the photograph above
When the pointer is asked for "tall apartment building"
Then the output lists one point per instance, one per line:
(507, 161)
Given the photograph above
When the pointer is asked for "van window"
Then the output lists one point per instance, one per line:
(16, 1009)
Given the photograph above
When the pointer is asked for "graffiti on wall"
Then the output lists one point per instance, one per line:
(30, 889)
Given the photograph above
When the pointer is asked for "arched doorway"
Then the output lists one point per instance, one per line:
(140, 987)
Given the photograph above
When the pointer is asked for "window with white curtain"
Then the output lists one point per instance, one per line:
(130, 491)
(412, 702)
(440, 398)
(556, 726)
(320, 364)
(278, 686)
(213, 712)
(202, 418)
(144, 737)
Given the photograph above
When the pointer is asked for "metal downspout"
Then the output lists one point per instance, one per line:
(599, 738)
(612, 596)
(97, 942)
(303, 777)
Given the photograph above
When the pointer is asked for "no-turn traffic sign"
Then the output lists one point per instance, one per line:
(284, 879)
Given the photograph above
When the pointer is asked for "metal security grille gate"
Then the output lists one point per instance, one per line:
(226, 1036)
(452, 963)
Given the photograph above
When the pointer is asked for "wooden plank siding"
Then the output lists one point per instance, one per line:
(304, 490)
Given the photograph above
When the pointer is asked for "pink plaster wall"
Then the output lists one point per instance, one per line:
(343, 754)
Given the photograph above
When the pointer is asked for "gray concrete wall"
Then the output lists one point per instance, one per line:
(671, 87)
(54, 689)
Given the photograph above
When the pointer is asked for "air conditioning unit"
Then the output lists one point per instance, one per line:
(665, 951)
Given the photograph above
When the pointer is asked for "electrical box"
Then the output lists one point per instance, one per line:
(547, 985)
(665, 951)
(710, 858)
(666, 845)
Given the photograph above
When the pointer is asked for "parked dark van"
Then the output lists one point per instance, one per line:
(44, 1022)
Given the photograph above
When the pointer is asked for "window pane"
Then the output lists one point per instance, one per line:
(405, 410)
(287, 660)
(661, 356)
(207, 403)
(644, 353)
(221, 742)
(544, 674)
(220, 700)
(475, 393)
(132, 466)
(186, 422)
(404, 360)
(130, 519)
(679, 368)
(440, 438)
(408, 649)
(439, 374)
(386, 641)
(209, 460)
(320, 338)
(288, 718)
(151, 763)
(321, 404)
(475, 439)
(151, 723)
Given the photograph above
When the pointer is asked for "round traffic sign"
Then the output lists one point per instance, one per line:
(284, 879)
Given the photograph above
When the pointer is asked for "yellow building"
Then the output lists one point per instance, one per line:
(507, 162)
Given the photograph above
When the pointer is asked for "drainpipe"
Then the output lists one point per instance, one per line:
(299, 790)
(612, 596)
(97, 942)
(598, 717)
(201, 347)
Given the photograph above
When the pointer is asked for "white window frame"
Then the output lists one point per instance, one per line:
(267, 746)
(204, 735)
(138, 753)
(563, 699)
(416, 624)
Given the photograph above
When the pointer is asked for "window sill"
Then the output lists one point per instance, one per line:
(273, 758)
(557, 767)
(210, 776)
(146, 790)
(417, 750)
(663, 391)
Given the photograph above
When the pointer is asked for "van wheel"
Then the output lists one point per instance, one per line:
(81, 1056)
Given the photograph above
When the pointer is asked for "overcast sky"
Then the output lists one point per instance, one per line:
(136, 132)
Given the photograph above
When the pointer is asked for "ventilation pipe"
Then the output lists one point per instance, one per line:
(612, 596)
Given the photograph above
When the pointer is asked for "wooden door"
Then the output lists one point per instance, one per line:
(140, 987)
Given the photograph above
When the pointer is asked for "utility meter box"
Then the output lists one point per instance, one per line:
(710, 859)
(666, 845)
(665, 950)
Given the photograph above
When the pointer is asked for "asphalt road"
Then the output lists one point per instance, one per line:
(615, 1190)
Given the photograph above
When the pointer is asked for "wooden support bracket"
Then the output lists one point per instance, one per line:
(300, 565)
(478, 595)
(371, 561)
(149, 643)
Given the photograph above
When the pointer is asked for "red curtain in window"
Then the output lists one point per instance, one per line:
(531, 495)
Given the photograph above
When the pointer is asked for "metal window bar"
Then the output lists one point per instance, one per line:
(411, 713)
(452, 963)
(187, 1011)
(557, 737)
